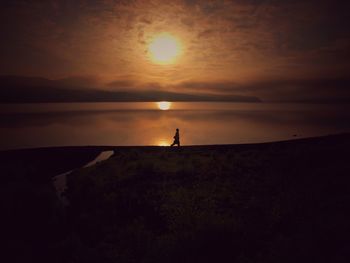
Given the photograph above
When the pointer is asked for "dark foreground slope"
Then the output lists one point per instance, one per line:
(279, 202)
(273, 202)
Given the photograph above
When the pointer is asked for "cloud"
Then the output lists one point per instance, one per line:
(16, 89)
(121, 84)
(205, 33)
(225, 42)
(320, 90)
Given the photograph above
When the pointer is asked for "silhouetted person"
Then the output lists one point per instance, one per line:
(176, 138)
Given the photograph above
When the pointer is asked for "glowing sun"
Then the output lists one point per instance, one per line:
(164, 49)
(164, 105)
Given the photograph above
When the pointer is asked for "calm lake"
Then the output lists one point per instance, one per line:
(63, 124)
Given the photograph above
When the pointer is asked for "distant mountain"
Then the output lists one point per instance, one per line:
(17, 89)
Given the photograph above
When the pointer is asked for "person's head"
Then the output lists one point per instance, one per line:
(177, 129)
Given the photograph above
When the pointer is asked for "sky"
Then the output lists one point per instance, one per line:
(275, 50)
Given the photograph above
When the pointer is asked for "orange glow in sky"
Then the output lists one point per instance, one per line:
(218, 49)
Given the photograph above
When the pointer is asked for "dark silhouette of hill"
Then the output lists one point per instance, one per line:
(15, 89)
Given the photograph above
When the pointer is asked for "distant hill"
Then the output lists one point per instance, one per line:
(17, 89)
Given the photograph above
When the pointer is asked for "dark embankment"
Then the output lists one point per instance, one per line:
(272, 202)
(41, 164)
(33, 222)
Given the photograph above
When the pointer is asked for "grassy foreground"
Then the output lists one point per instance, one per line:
(273, 202)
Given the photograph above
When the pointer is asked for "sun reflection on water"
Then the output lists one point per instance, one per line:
(163, 142)
(164, 105)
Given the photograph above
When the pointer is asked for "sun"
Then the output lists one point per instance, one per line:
(164, 49)
(164, 105)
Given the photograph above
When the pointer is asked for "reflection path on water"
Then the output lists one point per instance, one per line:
(67, 124)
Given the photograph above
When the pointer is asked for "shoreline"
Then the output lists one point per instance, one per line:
(47, 162)
(112, 147)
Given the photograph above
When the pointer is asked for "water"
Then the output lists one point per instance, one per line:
(63, 124)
